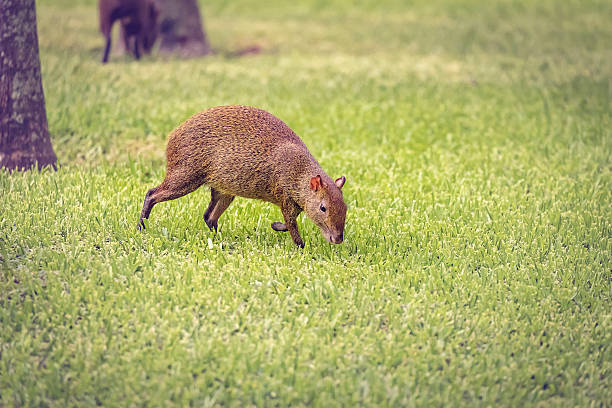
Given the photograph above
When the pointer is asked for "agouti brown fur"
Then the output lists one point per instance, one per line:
(139, 26)
(245, 151)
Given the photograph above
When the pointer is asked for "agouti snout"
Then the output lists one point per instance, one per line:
(245, 151)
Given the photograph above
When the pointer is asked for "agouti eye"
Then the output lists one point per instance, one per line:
(322, 208)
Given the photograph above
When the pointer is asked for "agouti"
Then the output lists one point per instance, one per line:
(245, 151)
(139, 26)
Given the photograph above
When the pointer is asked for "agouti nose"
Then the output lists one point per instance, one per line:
(337, 239)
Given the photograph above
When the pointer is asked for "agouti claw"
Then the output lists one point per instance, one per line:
(212, 225)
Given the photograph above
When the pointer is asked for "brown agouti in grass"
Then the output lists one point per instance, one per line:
(245, 151)
(139, 26)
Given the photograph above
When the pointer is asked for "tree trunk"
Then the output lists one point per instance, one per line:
(24, 133)
(181, 29)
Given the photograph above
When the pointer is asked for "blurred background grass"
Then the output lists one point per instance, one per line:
(384, 55)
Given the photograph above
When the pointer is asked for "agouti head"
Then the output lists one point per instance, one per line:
(325, 207)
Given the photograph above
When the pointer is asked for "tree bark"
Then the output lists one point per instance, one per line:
(181, 29)
(24, 132)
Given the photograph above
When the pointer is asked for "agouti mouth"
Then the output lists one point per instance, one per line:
(334, 239)
(337, 239)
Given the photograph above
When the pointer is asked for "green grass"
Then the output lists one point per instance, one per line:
(476, 269)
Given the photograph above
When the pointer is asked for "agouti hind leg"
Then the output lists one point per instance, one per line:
(168, 190)
(218, 204)
(214, 197)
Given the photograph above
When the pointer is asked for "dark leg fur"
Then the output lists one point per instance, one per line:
(132, 28)
(115, 15)
(214, 197)
(290, 212)
(163, 193)
(106, 50)
(136, 48)
(146, 207)
(218, 204)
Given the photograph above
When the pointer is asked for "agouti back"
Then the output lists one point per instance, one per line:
(245, 151)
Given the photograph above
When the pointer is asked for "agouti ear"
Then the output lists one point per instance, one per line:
(315, 183)
(340, 181)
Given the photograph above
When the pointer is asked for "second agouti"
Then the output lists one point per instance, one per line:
(245, 151)
(139, 27)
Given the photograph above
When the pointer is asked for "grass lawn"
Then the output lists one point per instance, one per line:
(476, 269)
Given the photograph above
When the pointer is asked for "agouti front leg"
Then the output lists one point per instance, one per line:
(290, 212)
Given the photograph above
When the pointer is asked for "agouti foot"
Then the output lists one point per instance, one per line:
(279, 226)
(212, 225)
